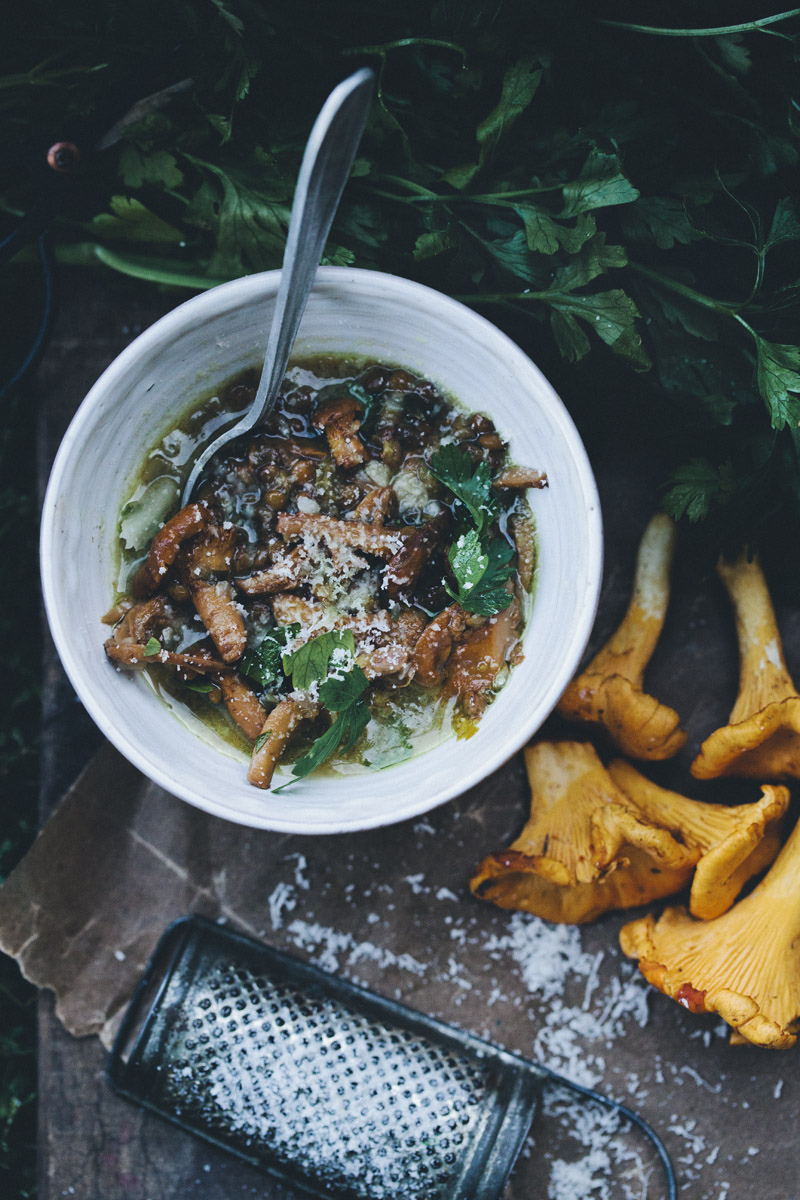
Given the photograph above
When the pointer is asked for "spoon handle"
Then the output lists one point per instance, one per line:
(325, 169)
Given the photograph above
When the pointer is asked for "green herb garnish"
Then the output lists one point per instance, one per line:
(481, 568)
(312, 661)
(470, 484)
(262, 740)
(342, 695)
(153, 647)
(263, 664)
(480, 562)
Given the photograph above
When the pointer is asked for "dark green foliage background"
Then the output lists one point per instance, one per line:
(622, 203)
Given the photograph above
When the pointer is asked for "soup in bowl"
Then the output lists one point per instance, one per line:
(366, 606)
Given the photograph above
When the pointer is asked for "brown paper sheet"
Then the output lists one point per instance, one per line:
(120, 858)
(83, 910)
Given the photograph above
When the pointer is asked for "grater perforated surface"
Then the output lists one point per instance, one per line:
(349, 1102)
(348, 1096)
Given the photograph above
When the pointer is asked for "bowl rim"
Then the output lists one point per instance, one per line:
(222, 298)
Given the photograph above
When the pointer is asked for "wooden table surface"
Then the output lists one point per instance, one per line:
(729, 1116)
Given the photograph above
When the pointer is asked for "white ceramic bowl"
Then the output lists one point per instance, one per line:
(200, 345)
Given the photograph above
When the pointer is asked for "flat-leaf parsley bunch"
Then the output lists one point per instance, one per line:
(615, 188)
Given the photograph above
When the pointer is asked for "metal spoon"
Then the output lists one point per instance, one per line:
(326, 165)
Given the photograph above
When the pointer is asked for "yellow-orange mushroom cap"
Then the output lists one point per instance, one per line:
(744, 965)
(586, 848)
(735, 843)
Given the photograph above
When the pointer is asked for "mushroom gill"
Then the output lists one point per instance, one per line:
(744, 965)
(585, 849)
(735, 843)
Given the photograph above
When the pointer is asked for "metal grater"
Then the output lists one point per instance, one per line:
(321, 1083)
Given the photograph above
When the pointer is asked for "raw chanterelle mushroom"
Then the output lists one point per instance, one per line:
(744, 965)
(609, 692)
(586, 848)
(735, 843)
(762, 738)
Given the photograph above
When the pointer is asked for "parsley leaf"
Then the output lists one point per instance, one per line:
(481, 571)
(659, 219)
(340, 694)
(339, 691)
(311, 662)
(347, 728)
(471, 485)
(612, 315)
(696, 487)
(357, 717)
(262, 664)
(594, 258)
(131, 221)
(600, 183)
(785, 224)
(262, 740)
(779, 374)
(545, 234)
(520, 83)
(481, 566)
(468, 560)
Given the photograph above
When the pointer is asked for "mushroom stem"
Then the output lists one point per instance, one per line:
(630, 648)
(762, 737)
(763, 675)
(745, 965)
(609, 692)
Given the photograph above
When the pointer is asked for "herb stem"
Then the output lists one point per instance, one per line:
(403, 43)
(392, 196)
(518, 194)
(714, 31)
(421, 191)
(136, 270)
(427, 196)
(682, 289)
(502, 297)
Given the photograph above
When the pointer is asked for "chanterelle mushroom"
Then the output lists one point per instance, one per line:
(762, 738)
(735, 843)
(586, 848)
(744, 965)
(340, 419)
(609, 691)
